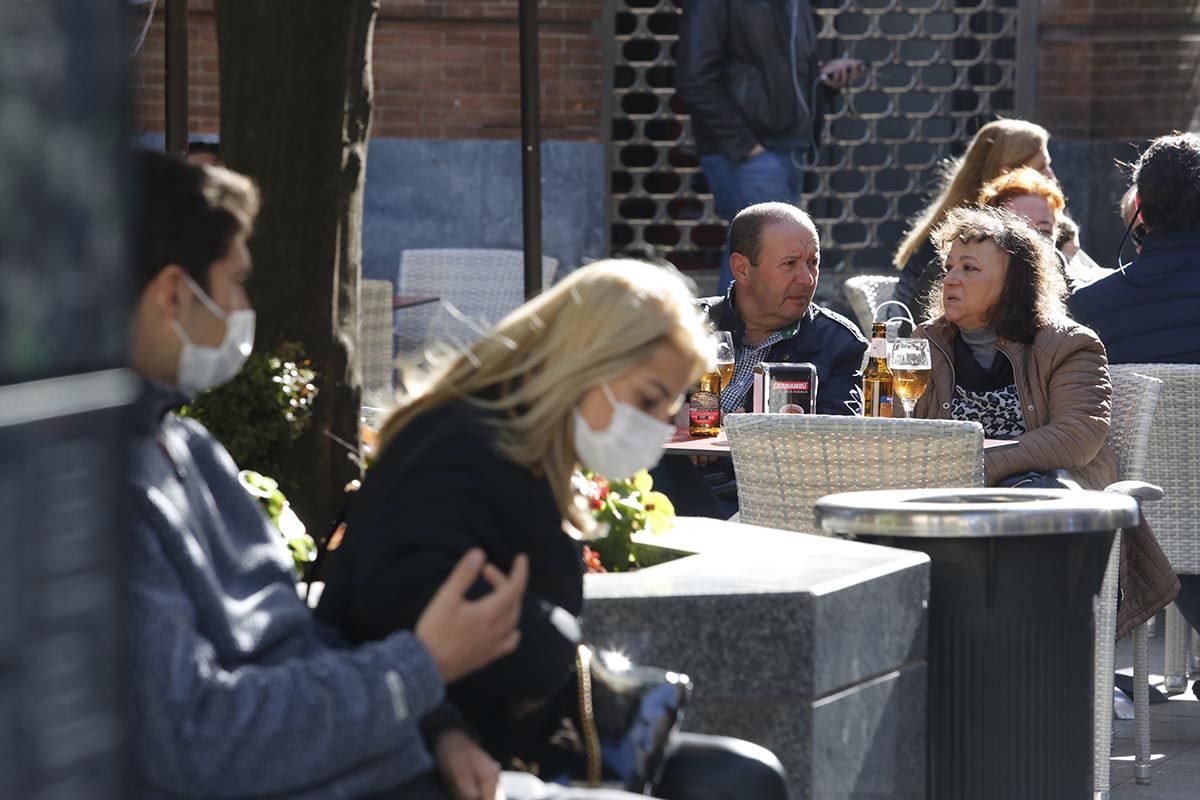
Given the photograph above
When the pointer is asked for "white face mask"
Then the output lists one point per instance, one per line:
(632, 441)
(202, 368)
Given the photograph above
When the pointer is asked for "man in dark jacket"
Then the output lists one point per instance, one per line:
(749, 73)
(775, 258)
(1148, 312)
(769, 311)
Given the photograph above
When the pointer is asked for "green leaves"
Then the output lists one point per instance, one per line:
(622, 508)
(302, 546)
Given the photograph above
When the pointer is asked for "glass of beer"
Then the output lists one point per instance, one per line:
(910, 365)
(724, 357)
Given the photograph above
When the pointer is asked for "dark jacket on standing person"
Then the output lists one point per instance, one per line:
(747, 75)
(832, 343)
(1150, 312)
(437, 490)
(1066, 399)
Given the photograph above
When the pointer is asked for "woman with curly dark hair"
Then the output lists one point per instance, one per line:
(1005, 354)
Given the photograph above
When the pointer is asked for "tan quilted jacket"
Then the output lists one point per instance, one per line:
(1066, 397)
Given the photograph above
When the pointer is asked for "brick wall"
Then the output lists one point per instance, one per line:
(444, 69)
(1115, 69)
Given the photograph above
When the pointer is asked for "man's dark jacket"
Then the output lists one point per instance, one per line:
(830, 341)
(733, 69)
(1150, 313)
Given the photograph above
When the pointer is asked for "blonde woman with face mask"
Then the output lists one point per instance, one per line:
(587, 375)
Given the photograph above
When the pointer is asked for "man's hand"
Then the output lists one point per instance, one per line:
(838, 73)
(758, 149)
(463, 635)
(466, 769)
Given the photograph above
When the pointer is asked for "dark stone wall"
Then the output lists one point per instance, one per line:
(63, 327)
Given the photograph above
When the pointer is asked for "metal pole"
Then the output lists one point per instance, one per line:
(531, 146)
(177, 77)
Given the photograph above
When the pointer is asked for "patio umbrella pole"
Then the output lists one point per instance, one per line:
(531, 145)
(176, 57)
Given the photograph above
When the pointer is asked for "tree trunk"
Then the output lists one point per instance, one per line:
(295, 112)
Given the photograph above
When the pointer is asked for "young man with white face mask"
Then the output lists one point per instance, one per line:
(231, 676)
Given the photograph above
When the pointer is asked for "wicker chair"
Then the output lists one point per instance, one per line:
(786, 462)
(375, 356)
(481, 286)
(865, 293)
(1135, 398)
(1173, 462)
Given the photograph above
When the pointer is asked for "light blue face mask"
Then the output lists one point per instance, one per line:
(632, 441)
(202, 368)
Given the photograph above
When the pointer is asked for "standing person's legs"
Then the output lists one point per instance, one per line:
(721, 176)
(770, 176)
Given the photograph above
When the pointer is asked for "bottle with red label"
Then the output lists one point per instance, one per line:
(704, 407)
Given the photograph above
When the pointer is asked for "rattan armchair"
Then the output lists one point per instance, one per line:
(865, 293)
(1135, 398)
(786, 462)
(1173, 462)
(481, 286)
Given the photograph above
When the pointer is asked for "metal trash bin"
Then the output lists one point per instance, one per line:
(1011, 636)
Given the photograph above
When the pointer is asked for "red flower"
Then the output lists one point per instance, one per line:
(595, 503)
(591, 559)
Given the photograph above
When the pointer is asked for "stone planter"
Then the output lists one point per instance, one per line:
(811, 646)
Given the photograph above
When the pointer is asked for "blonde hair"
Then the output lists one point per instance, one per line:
(998, 146)
(533, 368)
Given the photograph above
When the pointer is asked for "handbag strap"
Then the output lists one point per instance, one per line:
(587, 714)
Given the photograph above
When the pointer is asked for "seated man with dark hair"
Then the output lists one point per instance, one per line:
(1147, 312)
(237, 690)
(775, 257)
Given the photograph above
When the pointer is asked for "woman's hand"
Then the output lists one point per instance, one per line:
(466, 769)
(464, 635)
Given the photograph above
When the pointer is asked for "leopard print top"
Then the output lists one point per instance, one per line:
(997, 410)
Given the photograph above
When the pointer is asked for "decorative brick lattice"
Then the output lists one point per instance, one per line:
(937, 69)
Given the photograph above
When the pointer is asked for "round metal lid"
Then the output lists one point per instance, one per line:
(953, 513)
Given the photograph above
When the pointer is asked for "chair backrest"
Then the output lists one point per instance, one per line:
(1134, 401)
(375, 357)
(866, 292)
(482, 285)
(786, 462)
(1173, 462)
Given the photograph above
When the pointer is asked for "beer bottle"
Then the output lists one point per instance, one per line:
(704, 407)
(877, 380)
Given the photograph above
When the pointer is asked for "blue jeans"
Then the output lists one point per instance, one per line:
(772, 175)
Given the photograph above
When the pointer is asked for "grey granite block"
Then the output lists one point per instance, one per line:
(811, 646)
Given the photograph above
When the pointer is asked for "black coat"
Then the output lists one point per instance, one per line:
(1151, 311)
(439, 489)
(734, 72)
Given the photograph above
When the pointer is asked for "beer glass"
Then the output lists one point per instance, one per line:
(724, 357)
(910, 365)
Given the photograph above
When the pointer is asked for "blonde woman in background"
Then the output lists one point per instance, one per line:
(998, 147)
(588, 375)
